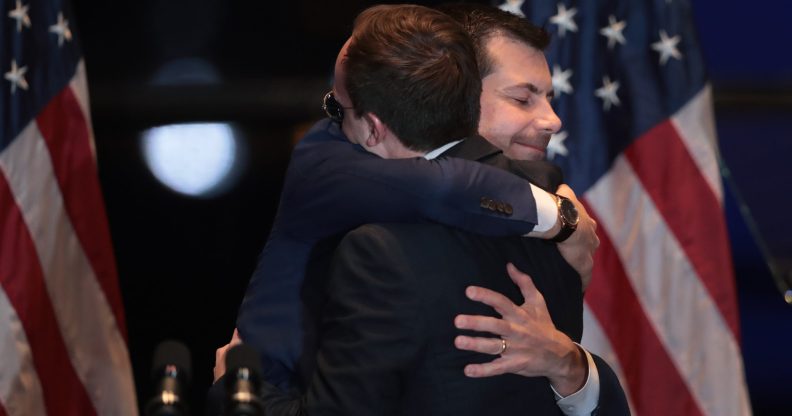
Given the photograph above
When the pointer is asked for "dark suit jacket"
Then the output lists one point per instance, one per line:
(333, 186)
(386, 339)
(387, 335)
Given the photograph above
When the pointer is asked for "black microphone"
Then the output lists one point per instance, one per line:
(242, 380)
(171, 371)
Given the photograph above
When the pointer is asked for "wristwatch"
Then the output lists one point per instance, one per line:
(568, 216)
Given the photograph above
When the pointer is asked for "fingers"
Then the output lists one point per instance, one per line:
(235, 339)
(492, 368)
(525, 283)
(503, 305)
(491, 346)
(482, 324)
(219, 367)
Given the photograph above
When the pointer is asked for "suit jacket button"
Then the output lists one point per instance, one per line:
(508, 209)
(484, 202)
(501, 207)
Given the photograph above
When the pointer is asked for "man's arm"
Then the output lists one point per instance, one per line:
(333, 186)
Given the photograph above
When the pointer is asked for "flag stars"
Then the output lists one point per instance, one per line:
(667, 47)
(561, 82)
(20, 14)
(608, 93)
(614, 32)
(61, 29)
(17, 77)
(513, 6)
(564, 19)
(556, 145)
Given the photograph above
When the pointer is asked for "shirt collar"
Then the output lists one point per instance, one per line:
(439, 151)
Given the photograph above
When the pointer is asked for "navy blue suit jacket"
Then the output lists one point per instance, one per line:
(333, 186)
(387, 335)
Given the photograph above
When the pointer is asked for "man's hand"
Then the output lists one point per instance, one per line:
(220, 355)
(578, 250)
(534, 347)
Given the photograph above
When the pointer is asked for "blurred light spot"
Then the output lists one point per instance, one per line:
(186, 71)
(192, 159)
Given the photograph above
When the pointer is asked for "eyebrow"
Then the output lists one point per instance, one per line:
(532, 88)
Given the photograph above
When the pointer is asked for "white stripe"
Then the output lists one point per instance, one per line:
(678, 306)
(95, 345)
(695, 124)
(79, 85)
(20, 389)
(595, 341)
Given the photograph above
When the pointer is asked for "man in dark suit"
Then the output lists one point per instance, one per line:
(387, 337)
(333, 186)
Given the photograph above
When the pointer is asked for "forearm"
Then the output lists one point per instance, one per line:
(348, 188)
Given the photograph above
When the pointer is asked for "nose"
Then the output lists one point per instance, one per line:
(547, 119)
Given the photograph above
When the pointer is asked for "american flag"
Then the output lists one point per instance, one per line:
(639, 144)
(62, 336)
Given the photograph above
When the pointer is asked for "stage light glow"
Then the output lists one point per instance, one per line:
(195, 159)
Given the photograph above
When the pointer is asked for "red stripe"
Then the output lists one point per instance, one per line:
(2, 410)
(65, 130)
(690, 209)
(23, 281)
(655, 386)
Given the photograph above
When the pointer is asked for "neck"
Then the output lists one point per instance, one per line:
(392, 148)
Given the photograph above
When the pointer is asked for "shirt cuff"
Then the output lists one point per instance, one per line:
(546, 209)
(585, 400)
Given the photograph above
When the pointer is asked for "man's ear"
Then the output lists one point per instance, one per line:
(378, 130)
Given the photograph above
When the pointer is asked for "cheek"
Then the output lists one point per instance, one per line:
(499, 125)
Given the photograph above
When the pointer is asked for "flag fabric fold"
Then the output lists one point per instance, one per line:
(639, 144)
(62, 333)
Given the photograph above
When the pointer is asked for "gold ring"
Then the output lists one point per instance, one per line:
(504, 345)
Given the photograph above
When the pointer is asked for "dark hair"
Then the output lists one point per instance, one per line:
(483, 22)
(415, 68)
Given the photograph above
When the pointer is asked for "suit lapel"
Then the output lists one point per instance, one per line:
(473, 148)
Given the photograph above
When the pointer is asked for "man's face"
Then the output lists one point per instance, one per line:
(355, 128)
(516, 115)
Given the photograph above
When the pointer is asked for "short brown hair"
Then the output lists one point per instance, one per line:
(415, 68)
(483, 22)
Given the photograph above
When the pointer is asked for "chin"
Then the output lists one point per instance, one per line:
(525, 154)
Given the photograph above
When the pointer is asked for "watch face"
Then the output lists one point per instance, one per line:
(568, 212)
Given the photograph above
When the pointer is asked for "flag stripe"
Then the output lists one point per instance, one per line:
(597, 342)
(96, 347)
(690, 326)
(695, 123)
(690, 210)
(79, 85)
(648, 370)
(65, 131)
(38, 334)
(20, 389)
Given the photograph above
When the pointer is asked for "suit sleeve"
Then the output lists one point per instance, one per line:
(612, 400)
(371, 334)
(333, 185)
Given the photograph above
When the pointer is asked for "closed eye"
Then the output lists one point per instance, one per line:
(521, 101)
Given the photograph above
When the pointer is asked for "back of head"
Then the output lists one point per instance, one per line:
(414, 68)
(483, 22)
